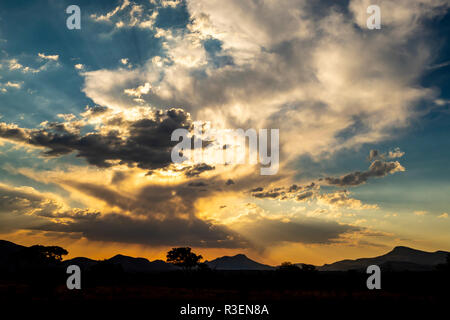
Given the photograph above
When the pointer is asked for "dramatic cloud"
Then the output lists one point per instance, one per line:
(26, 208)
(167, 232)
(309, 68)
(335, 199)
(295, 192)
(285, 64)
(144, 142)
(378, 168)
(342, 199)
(229, 182)
(265, 230)
(130, 14)
(196, 170)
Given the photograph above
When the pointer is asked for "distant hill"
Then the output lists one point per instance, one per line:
(128, 264)
(7, 247)
(399, 259)
(82, 262)
(237, 262)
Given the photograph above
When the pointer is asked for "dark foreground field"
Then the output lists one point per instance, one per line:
(287, 295)
(34, 280)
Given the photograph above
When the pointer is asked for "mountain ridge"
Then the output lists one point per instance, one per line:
(237, 262)
(400, 258)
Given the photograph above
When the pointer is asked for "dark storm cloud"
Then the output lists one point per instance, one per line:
(197, 170)
(308, 231)
(167, 232)
(118, 177)
(160, 216)
(152, 200)
(267, 194)
(304, 195)
(147, 144)
(378, 168)
(197, 184)
(108, 195)
(25, 208)
(229, 182)
(12, 132)
(95, 110)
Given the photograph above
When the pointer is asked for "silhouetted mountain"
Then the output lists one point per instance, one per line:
(162, 265)
(7, 247)
(14, 258)
(130, 264)
(399, 259)
(237, 262)
(82, 262)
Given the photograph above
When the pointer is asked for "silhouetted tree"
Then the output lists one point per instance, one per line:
(183, 257)
(51, 253)
(38, 255)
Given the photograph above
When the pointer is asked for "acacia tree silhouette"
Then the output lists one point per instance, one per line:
(183, 257)
(39, 256)
(51, 253)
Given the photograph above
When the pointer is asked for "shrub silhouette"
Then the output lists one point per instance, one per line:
(308, 267)
(288, 266)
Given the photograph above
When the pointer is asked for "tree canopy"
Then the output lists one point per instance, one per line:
(183, 257)
(44, 254)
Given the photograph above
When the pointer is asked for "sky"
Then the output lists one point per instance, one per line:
(86, 118)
